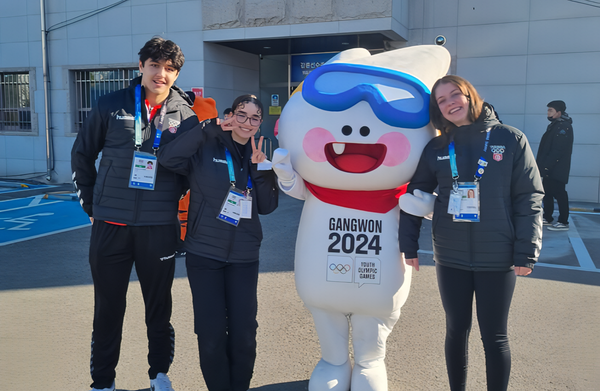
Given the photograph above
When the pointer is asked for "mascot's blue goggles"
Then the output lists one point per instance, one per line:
(396, 98)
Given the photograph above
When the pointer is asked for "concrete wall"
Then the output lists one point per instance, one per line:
(229, 73)
(108, 40)
(520, 55)
(219, 14)
(257, 19)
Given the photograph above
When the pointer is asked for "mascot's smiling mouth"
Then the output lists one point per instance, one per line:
(355, 158)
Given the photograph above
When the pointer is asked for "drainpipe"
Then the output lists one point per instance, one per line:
(49, 140)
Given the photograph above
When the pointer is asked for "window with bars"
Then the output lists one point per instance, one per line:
(15, 104)
(92, 84)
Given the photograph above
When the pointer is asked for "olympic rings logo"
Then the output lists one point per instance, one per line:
(339, 268)
(497, 148)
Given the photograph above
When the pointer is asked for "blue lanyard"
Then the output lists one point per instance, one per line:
(481, 163)
(232, 174)
(138, 121)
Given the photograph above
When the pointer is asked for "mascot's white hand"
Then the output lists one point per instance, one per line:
(282, 165)
(419, 203)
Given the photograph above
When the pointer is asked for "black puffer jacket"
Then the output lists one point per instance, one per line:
(510, 229)
(110, 129)
(554, 152)
(200, 155)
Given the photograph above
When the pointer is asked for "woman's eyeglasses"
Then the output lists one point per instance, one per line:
(241, 118)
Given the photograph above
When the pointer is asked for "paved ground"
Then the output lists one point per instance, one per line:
(46, 301)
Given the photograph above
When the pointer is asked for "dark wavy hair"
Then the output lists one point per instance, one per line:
(242, 100)
(159, 49)
(475, 103)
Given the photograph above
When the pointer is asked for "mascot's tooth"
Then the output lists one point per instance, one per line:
(339, 148)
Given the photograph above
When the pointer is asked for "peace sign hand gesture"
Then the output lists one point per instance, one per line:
(258, 155)
(226, 124)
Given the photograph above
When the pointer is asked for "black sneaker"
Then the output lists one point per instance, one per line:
(546, 222)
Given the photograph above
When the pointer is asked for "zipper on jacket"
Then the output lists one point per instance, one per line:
(138, 194)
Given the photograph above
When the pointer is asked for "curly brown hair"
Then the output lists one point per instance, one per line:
(467, 89)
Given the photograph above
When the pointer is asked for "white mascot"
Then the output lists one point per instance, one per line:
(351, 136)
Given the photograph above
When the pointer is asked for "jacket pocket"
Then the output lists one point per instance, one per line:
(103, 170)
(194, 224)
(510, 224)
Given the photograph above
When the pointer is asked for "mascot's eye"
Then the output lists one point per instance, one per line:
(364, 131)
(347, 130)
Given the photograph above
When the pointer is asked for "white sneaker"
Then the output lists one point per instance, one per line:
(161, 383)
(111, 388)
(559, 227)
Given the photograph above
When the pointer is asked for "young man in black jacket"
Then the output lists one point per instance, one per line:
(554, 163)
(132, 202)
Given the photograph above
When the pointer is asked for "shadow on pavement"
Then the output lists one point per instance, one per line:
(562, 275)
(289, 386)
(62, 259)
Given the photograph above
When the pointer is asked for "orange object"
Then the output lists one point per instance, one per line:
(205, 108)
(184, 204)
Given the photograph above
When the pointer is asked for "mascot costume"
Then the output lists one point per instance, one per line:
(351, 136)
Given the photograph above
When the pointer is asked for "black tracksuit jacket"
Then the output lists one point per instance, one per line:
(105, 194)
(200, 155)
(510, 229)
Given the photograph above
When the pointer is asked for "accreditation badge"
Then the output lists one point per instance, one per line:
(246, 207)
(143, 171)
(231, 210)
(469, 204)
(454, 202)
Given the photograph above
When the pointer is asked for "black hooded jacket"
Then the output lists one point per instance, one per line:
(509, 232)
(105, 194)
(200, 155)
(554, 152)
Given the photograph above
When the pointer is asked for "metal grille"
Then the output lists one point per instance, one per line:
(15, 110)
(92, 84)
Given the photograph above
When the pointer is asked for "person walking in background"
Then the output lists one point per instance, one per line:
(133, 209)
(227, 193)
(554, 163)
(481, 244)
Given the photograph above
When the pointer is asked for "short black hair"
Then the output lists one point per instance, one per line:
(159, 49)
(241, 101)
(558, 105)
(227, 111)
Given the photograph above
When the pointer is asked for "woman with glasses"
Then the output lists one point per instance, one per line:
(227, 193)
(487, 222)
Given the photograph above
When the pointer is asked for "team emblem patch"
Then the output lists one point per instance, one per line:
(498, 152)
(173, 125)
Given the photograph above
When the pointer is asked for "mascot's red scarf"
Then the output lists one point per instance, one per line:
(376, 201)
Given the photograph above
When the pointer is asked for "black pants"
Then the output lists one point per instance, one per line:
(225, 307)
(493, 292)
(554, 189)
(113, 251)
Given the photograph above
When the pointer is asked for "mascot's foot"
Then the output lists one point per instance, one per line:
(369, 379)
(327, 377)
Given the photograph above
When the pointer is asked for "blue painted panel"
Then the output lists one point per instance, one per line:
(26, 218)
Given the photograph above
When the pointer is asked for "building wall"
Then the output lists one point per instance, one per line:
(229, 73)
(110, 39)
(520, 55)
(257, 19)
(219, 14)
